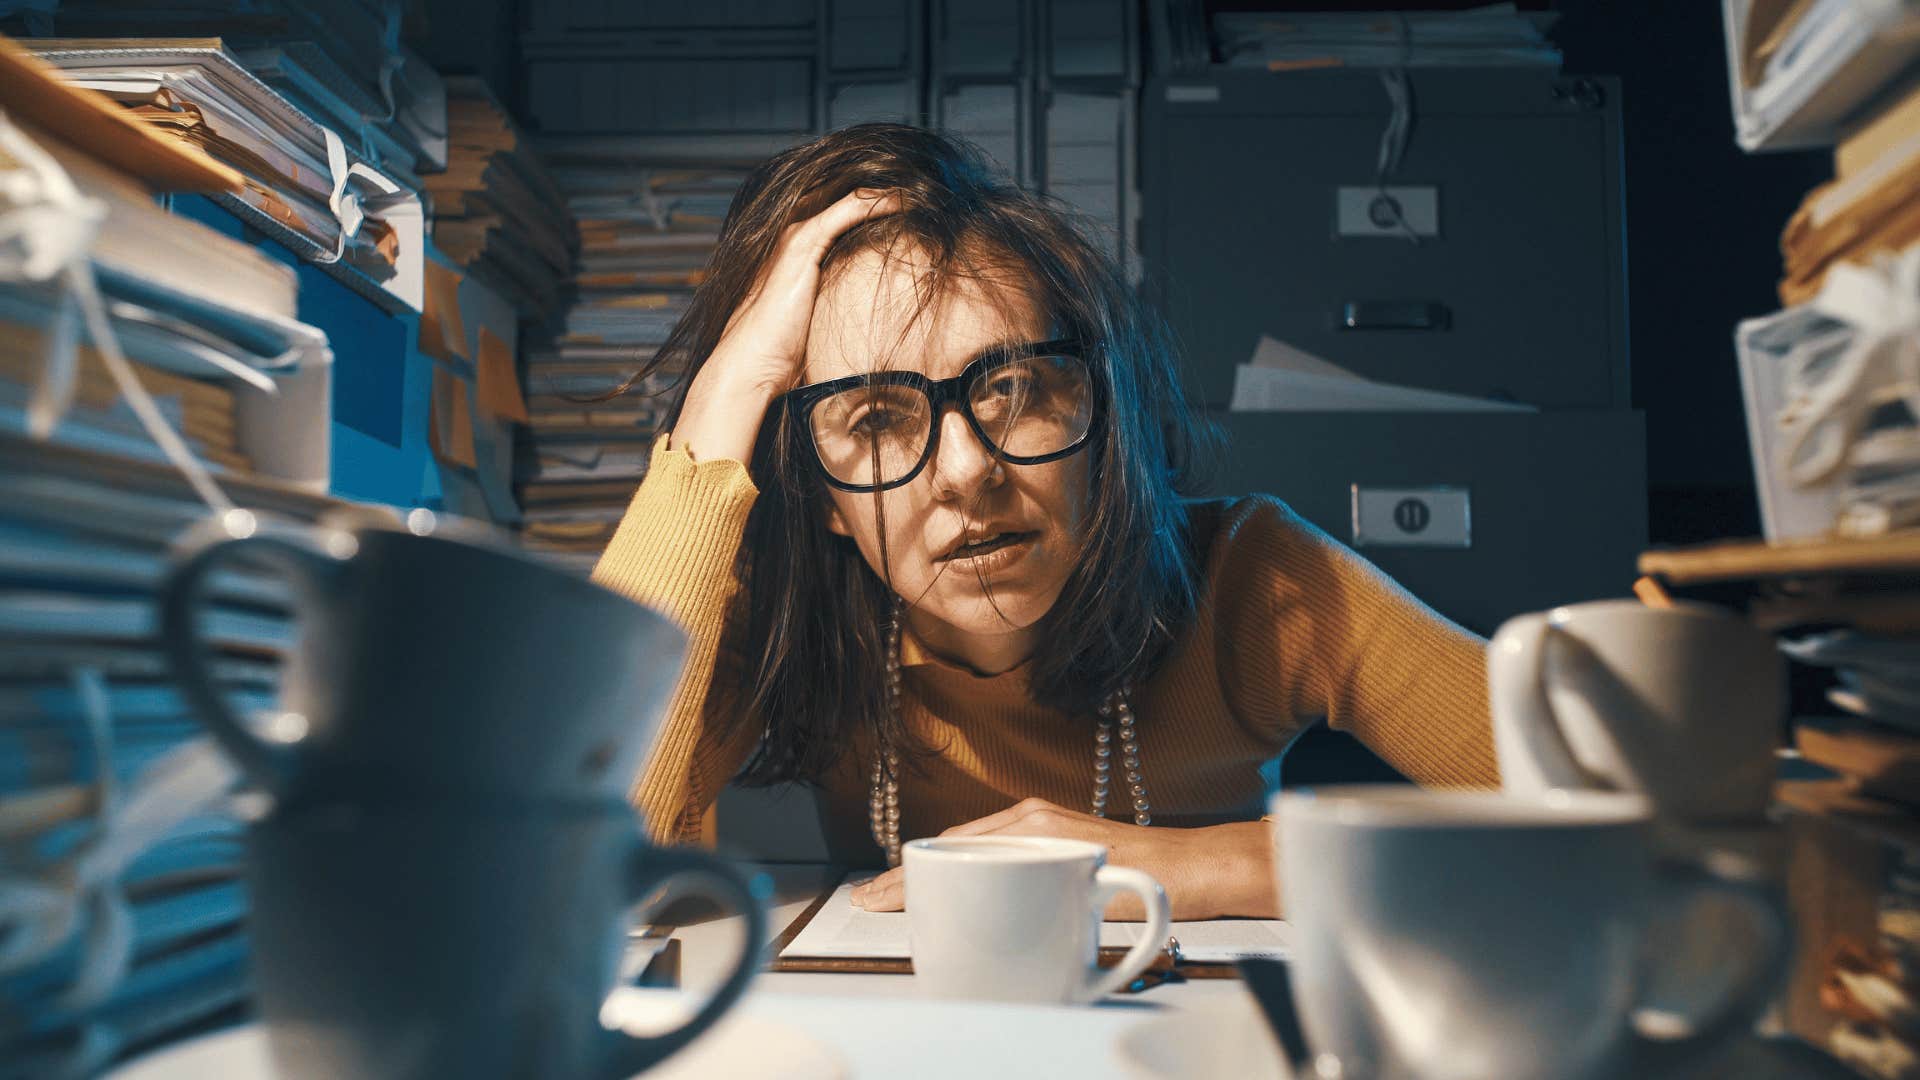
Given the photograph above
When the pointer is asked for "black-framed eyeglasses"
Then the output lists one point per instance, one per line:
(1030, 403)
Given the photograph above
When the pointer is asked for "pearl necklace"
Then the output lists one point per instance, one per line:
(883, 795)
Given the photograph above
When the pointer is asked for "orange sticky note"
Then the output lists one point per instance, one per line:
(450, 422)
(499, 384)
(443, 335)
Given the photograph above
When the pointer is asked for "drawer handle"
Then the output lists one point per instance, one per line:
(1394, 315)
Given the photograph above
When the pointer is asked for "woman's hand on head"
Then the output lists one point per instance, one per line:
(1223, 870)
(764, 345)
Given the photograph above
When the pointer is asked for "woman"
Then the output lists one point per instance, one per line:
(920, 512)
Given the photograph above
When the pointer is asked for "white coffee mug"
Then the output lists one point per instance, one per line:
(1682, 704)
(1018, 918)
(1464, 934)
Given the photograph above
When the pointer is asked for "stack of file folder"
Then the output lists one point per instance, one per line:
(646, 236)
(304, 184)
(208, 321)
(496, 211)
(1870, 206)
(344, 64)
(1799, 70)
(113, 812)
(90, 724)
(1833, 448)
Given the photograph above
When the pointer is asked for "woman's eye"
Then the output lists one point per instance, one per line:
(874, 422)
(1011, 386)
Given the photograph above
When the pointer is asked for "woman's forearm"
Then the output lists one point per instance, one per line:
(1231, 872)
(722, 414)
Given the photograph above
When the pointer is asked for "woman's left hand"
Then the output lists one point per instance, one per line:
(1209, 873)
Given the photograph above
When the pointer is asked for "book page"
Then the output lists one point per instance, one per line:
(842, 931)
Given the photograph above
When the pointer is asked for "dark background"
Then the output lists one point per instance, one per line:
(1702, 221)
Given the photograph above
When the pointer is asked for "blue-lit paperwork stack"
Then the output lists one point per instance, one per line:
(646, 236)
(90, 727)
(343, 62)
(305, 185)
(121, 898)
(207, 321)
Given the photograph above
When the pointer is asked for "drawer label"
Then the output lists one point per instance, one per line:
(1387, 211)
(1412, 517)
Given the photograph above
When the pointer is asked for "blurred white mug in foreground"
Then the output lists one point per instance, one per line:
(1467, 934)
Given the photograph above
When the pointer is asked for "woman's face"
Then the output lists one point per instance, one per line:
(979, 604)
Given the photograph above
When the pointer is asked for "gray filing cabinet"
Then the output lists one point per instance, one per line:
(1259, 188)
(1518, 291)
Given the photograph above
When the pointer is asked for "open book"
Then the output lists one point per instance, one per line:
(838, 930)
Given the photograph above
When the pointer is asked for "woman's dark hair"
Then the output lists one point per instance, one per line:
(811, 614)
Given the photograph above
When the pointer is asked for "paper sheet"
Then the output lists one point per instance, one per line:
(841, 930)
(1262, 389)
(443, 335)
(1286, 378)
(499, 384)
(450, 419)
(1271, 352)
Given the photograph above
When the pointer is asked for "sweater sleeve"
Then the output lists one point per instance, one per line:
(674, 551)
(1309, 628)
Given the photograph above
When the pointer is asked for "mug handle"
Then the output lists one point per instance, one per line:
(1742, 1005)
(294, 549)
(1520, 688)
(1108, 883)
(647, 868)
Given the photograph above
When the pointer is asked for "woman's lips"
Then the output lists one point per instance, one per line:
(993, 552)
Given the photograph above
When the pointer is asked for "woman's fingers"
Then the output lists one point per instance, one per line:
(762, 347)
(768, 328)
(812, 237)
(888, 892)
(1019, 811)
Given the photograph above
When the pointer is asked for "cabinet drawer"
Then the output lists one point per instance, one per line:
(1515, 286)
(1556, 500)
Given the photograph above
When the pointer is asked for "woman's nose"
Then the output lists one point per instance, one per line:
(962, 465)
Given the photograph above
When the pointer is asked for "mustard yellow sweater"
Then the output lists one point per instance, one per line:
(1291, 626)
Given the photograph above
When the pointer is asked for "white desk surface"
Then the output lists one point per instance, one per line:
(1079, 1035)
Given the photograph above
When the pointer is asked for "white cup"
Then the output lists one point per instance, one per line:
(1459, 934)
(1018, 918)
(1681, 704)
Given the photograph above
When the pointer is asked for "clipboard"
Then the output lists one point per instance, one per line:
(1165, 968)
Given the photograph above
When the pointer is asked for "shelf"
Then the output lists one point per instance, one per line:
(1747, 560)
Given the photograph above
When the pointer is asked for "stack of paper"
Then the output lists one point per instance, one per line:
(1800, 70)
(208, 322)
(343, 63)
(304, 184)
(497, 212)
(91, 728)
(1835, 446)
(114, 825)
(1496, 35)
(646, 236)
(1869, 208)
(1282, 378)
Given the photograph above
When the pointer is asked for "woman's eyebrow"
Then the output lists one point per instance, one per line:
(1003, 344)
(998, 345)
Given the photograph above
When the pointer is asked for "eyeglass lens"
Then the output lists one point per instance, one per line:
(1027, 408)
